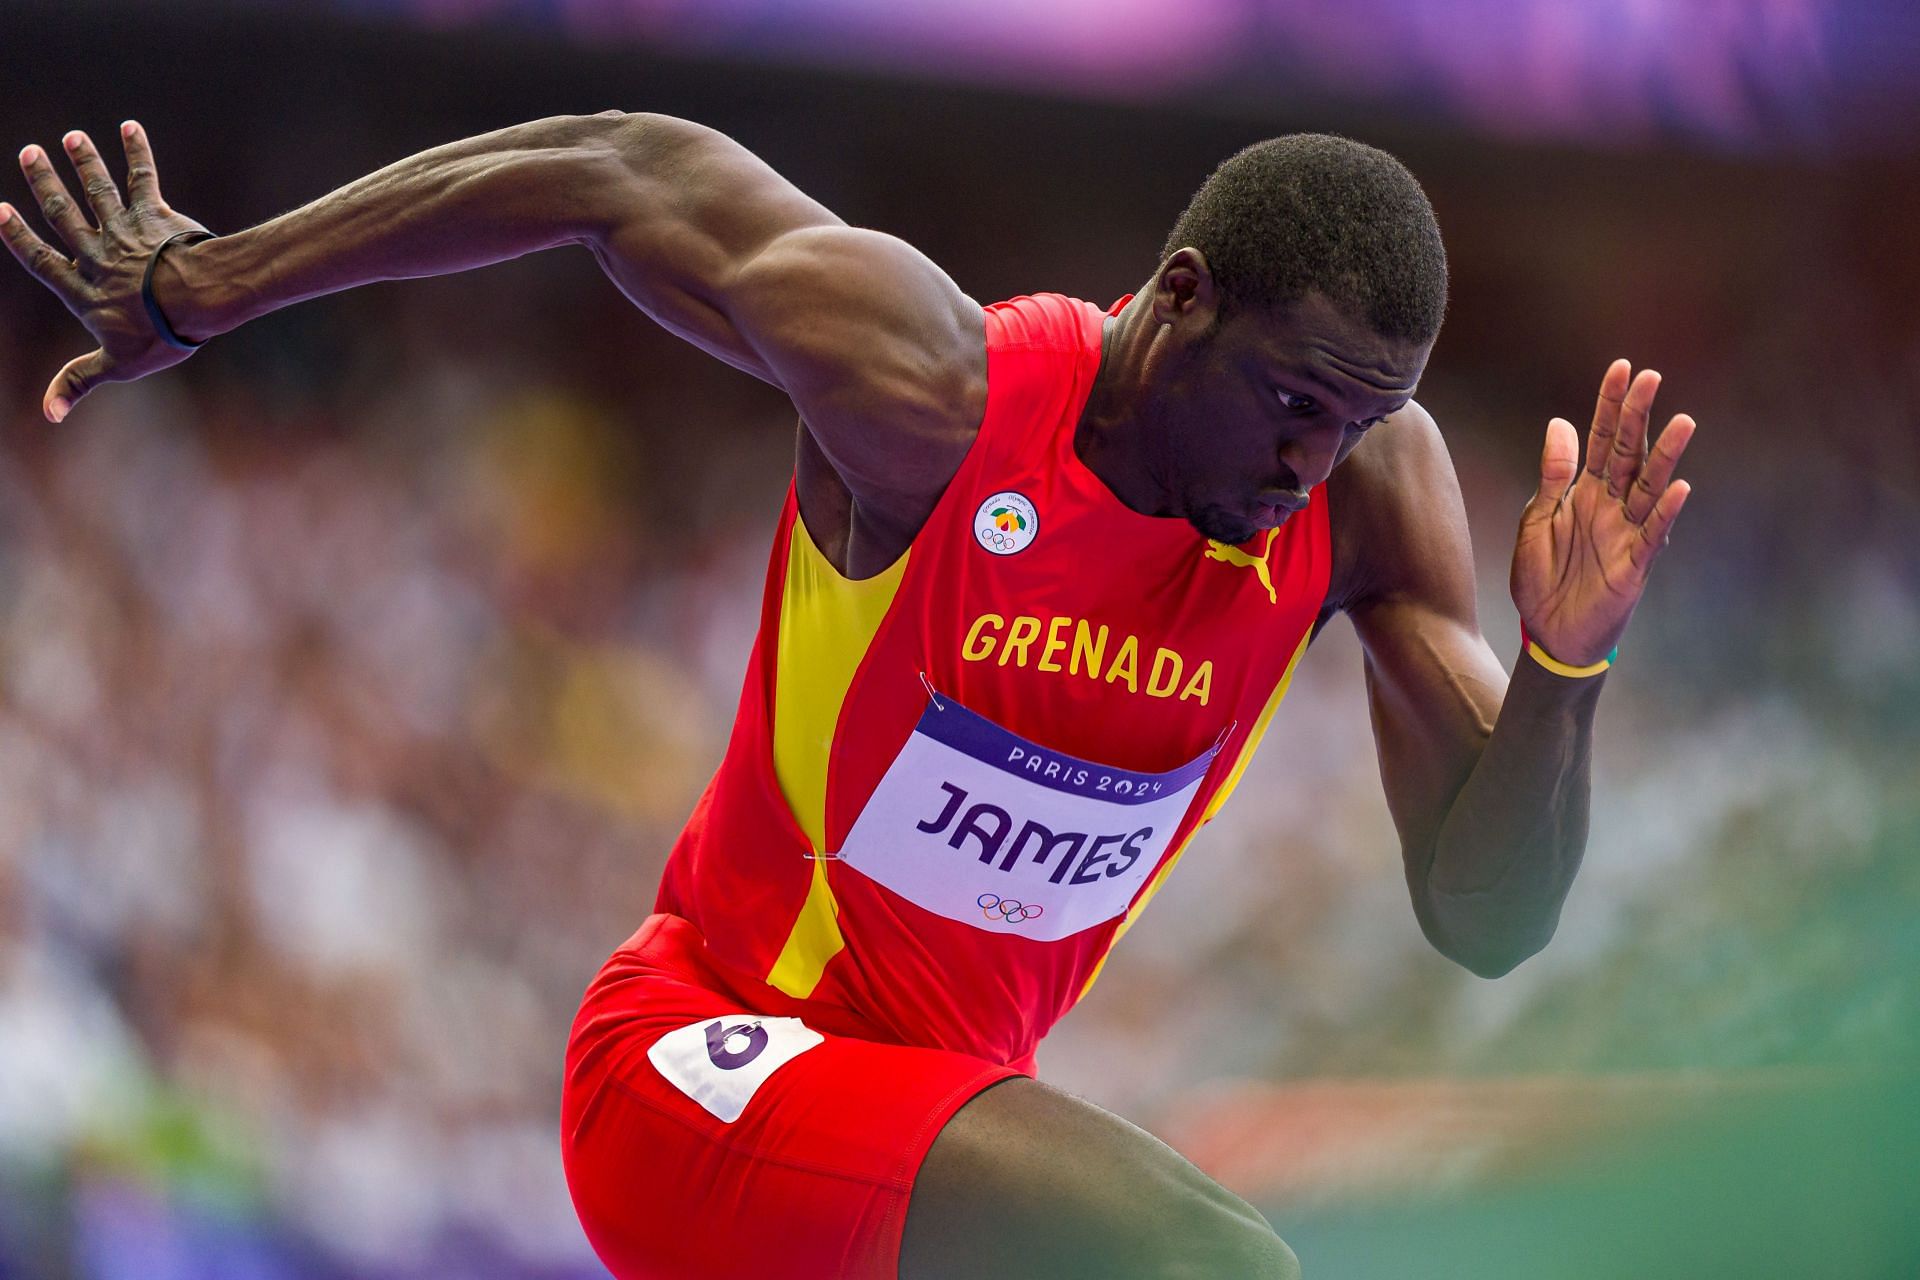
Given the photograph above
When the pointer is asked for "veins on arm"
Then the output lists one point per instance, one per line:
(1473, 700)
(1404, 576)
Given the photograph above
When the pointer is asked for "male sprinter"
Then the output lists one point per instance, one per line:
(1035, 594)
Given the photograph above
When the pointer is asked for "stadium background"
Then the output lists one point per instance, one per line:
(356, 676)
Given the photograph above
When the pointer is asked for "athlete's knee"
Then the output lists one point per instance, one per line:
(1275, 1259)
(1220, 1235)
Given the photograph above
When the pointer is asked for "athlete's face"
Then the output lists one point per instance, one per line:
(1265, 406)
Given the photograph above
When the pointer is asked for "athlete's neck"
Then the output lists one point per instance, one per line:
(1115, 438)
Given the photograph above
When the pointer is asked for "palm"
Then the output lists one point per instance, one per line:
(1590, 536)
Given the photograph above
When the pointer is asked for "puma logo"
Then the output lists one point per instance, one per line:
(1235, 556)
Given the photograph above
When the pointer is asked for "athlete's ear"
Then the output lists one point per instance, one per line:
(1185, 295)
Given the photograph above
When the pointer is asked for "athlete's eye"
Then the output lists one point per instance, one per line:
(1299, 404)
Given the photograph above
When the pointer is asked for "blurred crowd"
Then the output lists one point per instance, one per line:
(314, 811)
(356, 677)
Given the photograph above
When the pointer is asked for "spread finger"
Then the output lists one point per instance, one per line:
(1653, 533)
(62, 214)
(1630, 441)
(143, 179)
(1654, 476)
(42, 261)
(103, 193)
(1606, 416)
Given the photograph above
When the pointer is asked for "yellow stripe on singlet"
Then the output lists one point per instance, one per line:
(1206, 815)
(826, 624)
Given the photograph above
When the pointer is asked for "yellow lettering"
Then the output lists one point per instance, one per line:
(1015, 640)
(1055, 643)
(1024, 631)
(1126, 664)
(1168, 662)
(978, 645)
(1087, 643)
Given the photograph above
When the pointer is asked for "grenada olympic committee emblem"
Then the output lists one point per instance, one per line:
(1006, 523)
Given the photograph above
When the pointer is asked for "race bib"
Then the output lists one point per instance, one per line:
(721, 1062)
(979, 825)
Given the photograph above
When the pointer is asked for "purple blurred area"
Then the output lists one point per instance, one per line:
(356, 676)
(1729, 74)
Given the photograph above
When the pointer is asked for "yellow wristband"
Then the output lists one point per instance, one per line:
(1558, 667)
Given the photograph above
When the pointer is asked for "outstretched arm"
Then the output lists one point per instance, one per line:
(1487, 779)
(874, 343)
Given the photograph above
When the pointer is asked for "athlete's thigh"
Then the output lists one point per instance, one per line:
(1027, 1181)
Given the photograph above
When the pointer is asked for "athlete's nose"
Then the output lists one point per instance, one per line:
(1311, 457)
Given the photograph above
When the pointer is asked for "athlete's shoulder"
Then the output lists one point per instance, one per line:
(1393, 506)
(1043, 321)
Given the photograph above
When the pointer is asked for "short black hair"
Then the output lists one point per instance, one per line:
(1313, 211)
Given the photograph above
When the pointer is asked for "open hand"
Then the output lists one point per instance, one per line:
(100, 283)
(1589, 537)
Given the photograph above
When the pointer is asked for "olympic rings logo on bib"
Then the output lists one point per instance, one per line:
(1006, 523)
(994, 907)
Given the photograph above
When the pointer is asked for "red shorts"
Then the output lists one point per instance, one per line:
(714, 1136)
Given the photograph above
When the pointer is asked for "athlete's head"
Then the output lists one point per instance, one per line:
(1305, 284)
(1314, 213)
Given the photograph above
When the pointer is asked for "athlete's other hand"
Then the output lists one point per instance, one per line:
(1591, 534)
(100, 283)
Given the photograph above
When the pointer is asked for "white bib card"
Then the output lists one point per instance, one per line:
(979, 825)
(721, 1062)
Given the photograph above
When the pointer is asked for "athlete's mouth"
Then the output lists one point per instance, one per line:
(1285, 496)
(1274, 505)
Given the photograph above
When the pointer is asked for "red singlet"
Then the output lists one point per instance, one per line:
(949, 790)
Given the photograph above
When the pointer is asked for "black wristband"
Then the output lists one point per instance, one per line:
(160, 325)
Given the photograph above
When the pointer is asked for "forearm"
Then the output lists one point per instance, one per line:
(463, 205)
(1507, 852)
